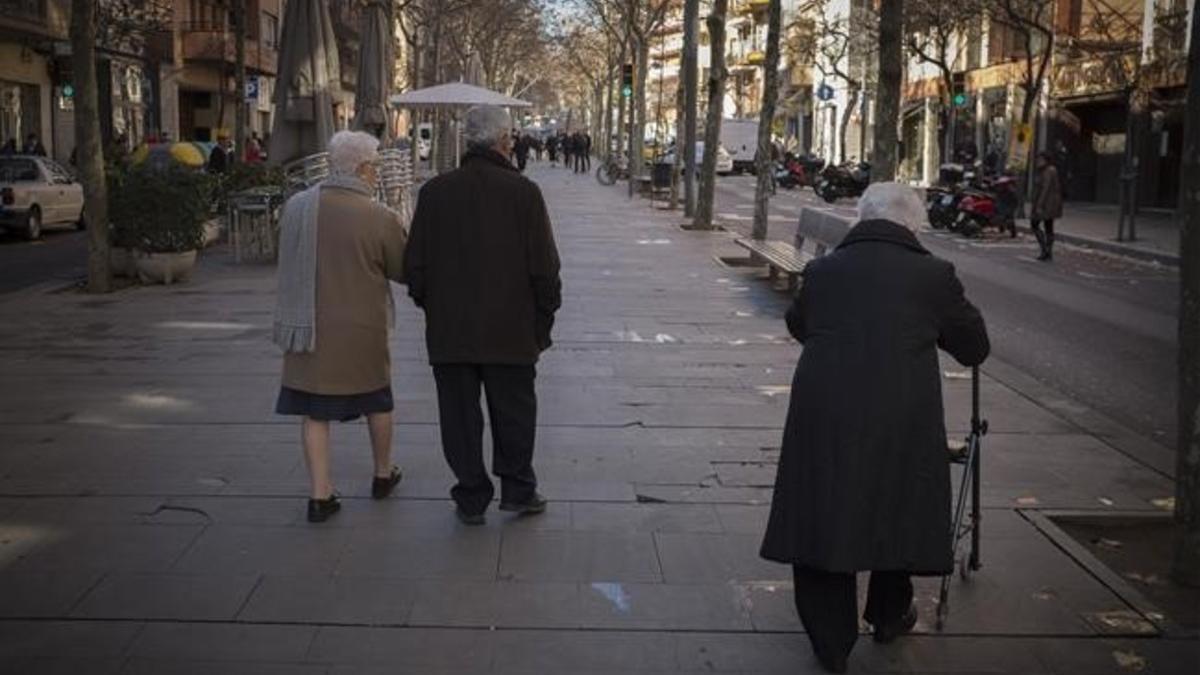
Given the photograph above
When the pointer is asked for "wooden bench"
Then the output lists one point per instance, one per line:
(817, 233)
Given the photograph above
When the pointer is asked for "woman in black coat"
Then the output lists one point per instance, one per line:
(863, 480)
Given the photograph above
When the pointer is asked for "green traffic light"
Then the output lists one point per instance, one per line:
(627, 91)
(68, 91)
(960, 99)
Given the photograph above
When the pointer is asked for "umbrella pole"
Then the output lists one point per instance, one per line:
(457, 143)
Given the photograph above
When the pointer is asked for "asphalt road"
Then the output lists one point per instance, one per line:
(60, 255)
(1097, 328)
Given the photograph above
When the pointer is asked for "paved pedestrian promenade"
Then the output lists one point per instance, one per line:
(151, 504)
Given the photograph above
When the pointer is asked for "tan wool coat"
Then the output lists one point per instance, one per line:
(360, 247)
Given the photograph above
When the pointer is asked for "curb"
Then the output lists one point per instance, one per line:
(1109, 246)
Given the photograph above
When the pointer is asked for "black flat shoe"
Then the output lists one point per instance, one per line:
(319, 510)
(535, 505)
(472, 519)
(833, 664)
(382, 487)
(888, 633)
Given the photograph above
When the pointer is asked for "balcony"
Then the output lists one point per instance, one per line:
(214, 43)
(752, 6)
(1166, 58)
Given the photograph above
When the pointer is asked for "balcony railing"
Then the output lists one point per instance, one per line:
(219, 46)
(1170, 30)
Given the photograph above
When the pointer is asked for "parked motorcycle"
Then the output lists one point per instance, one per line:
(790, 172)
(991, 202)
(845, 180)
(942, 200)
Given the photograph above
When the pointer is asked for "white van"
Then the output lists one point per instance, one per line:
(740, 140)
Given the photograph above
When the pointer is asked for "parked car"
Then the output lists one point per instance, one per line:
(36, 192)
(724, 160)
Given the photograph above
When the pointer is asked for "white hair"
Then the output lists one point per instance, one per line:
(486, 125)
(349, 150)
(896, 202)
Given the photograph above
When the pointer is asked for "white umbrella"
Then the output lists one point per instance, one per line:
(455, 95)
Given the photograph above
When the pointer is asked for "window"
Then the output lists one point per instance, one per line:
(18, 170)
(270, 30)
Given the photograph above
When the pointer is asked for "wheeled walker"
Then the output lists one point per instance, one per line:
(965, 526)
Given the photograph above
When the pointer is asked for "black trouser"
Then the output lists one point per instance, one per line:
(579, 163)
(827, 603)
(1044, 231)
(512, 412)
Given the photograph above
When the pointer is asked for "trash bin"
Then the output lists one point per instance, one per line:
(660, 176)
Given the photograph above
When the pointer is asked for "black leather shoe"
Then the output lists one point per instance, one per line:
(888, 633)
(382, 487)
(832, 664)
(319, 510)
(535, 505)
(469, 518)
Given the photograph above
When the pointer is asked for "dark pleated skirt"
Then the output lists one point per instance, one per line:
(333, 407)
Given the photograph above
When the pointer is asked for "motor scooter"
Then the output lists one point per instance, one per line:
(846, 180)
(991, 202)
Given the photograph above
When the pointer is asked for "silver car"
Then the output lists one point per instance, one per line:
(36, 192)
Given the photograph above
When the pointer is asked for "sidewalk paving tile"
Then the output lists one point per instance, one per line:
(166, 596)
(579, 556)
(489, 605)
(566, 651)
(243, 550)
(325, 599)
(458, 554)
(100, 640)
(50, 594)
(128, 548)
(141, 666)
(404, 649)
(223, 642)
(714, 558)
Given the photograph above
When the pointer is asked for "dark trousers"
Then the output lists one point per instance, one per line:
(1044, 231)
(827, 603)
(579, 163)
(512, 411)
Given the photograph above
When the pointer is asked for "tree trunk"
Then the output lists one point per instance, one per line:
(1186, 566)
(851, 102)
(763, 163)
(691, 17)
(887, 91)
(712, 123)
(239, 118)
(621, 103)
(89, 156)
(641, 72)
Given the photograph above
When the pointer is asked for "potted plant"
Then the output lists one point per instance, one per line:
(160, 214)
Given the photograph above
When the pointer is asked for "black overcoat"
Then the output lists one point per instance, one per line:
(482, 262)
(863, 480)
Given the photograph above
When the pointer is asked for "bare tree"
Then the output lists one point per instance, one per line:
(717, 75)
(1186, 564)
(1031, 22)
(841, 45)
(887, 90)
(690, 77)
(938, 32)
(89, 156)
(766, 120)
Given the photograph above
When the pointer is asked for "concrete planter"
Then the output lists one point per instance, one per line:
(120, 261)
(163, 268)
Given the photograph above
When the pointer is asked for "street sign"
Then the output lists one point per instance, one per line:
(252, 89)
(824, 92)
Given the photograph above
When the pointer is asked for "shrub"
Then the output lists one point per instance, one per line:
(159, 210)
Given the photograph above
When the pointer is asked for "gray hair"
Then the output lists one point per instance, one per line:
(349, 150)
(486, 125)
(896, 202)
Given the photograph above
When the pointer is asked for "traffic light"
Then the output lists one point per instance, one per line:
(627, 80)
(958, 92)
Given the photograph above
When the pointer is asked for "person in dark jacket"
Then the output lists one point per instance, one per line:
(482, 263)
(863, 482)
(1047, 205)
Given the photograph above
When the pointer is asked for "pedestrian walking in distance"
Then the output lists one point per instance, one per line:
(338, 250)
(483, 265)
(864, 481)
(1047, 204)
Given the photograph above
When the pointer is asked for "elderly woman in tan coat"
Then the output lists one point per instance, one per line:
(338, 251)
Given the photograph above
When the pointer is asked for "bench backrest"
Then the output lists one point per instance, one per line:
(822, 231)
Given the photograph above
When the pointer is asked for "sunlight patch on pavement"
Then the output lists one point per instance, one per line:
(206, 325)
(653, 242)
(158, 402)
(614, 593)
(773, 390)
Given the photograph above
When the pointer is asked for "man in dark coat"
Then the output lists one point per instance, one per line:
(863, 480)
(482, 263)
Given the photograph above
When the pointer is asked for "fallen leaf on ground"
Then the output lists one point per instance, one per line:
(1129, 660)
